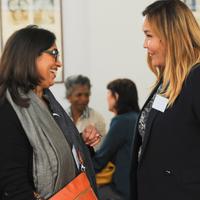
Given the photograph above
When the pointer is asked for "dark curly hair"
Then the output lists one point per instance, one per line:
(128, 97)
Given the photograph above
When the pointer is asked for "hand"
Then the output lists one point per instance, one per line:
(37, 196)
(91, 135)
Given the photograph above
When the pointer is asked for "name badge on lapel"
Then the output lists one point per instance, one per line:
(160, 103)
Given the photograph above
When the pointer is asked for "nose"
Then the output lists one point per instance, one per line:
(84, 99)
(145, 44)
(58, 63)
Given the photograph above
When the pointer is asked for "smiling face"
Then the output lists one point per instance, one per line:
(79, 98)
(155, 47)
(47, 65)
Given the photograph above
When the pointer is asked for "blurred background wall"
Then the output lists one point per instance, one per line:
(103, 40)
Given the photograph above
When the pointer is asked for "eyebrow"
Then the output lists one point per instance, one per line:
(53, 49)
(146, 31)
(82, 93)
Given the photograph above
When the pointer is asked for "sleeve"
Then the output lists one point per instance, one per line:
(112, 142)
(194, 89)
(100, 124)
(15, 156)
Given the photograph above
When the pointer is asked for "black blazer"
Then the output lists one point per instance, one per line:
(169, 165)
(16, 180)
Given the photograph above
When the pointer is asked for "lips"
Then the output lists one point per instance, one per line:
(150, 54)
(54, 72)
(83, 105)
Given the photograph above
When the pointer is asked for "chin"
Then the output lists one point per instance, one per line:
(52, 83)
(157, 64)
(110, 109)
(81, 109)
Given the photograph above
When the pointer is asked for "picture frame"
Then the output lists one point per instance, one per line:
(17, 14)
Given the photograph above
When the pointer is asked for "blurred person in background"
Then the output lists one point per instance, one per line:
(78, 91)
(122, 101)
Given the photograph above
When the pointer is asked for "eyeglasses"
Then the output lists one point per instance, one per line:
(54, 53)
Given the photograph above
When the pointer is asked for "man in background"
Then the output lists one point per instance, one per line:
(78, 91)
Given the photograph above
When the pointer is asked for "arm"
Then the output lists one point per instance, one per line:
(193, 82)
(15, 156)
(114, 139)
(100, 124)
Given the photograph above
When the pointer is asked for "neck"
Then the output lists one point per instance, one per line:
(115, 113)
(75, 114)
(38, 91)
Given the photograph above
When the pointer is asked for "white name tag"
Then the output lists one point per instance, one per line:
(160, 103)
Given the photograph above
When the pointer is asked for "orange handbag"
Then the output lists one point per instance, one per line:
(78, 189)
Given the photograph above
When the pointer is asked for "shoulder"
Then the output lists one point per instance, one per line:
(11, 128)
(94, 113)
(126, 116)
(124, 119)
(8, 117)
(193, 79)
(194, 72)
(7, 113)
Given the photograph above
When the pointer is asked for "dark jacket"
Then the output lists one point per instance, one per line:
(116, 148)
(169, 165)
(16, 180)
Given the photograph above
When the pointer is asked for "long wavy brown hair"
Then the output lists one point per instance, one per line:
(175, 25)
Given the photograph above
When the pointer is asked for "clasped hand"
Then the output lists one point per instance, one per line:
(91, 135)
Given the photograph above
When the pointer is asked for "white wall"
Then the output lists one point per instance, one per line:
(103, 40)
(116, 46)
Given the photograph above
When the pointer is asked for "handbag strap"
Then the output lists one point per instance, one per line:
(81, 162)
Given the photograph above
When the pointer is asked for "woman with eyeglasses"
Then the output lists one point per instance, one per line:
(37, 136)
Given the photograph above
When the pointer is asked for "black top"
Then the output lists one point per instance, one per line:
(15, 158)
(169, 164)
(16, 153)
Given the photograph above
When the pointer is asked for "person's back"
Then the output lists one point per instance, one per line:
(116, 148)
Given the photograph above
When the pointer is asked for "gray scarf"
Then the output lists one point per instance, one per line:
(53, 164)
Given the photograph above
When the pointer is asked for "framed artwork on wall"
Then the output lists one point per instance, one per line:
(16, 14)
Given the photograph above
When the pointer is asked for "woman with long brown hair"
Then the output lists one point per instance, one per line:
(166, 147)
